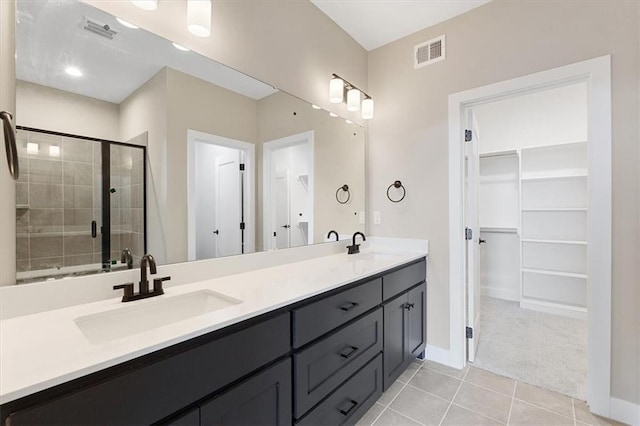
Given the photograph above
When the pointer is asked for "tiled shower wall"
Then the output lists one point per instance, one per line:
(57, 197)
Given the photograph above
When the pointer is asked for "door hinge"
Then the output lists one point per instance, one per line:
(241, 225)
(241, 166)
(468, 135)
(274, 234)
(468, 234)
(469, 332)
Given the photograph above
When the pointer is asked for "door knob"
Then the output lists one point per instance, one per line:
(286, 226)
(217, 232)
(481, 241)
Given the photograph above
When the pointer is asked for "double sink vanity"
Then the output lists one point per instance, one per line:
(308, 342)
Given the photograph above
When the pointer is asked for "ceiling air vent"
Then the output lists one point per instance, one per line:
(101, 29)
(429, 52)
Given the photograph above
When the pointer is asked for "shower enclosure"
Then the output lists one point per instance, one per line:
(80, 204)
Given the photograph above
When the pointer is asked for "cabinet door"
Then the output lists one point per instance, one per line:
(416, 315)
(264, 399)
(190, 418)
(395, 339)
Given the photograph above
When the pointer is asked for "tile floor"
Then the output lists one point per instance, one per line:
(428, 393)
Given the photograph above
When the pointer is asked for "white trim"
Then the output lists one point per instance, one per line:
(249, 149)
(554, 308)
(625, 411)
(267, 150)
(439, 355)
(512, 295)
(597, 73)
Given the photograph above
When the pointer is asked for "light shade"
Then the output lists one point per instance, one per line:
(367, 109)
(199, 17)
(146, 4)
(336, 90)
(353, 100)
(32, 148)
(54, 151)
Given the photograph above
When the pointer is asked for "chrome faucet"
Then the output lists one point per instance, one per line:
(355, 248)
(127, 257)
(334, 233)
(146, 261)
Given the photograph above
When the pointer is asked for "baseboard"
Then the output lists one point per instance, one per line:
(439, 355)
(625, 411)
(554, 308)
(500, 293)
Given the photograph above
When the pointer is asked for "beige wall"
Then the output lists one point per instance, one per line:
(495, 42)
(338, 159)
(46, 108)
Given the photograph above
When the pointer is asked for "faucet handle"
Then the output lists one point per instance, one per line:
(157, 284)
(128, 290)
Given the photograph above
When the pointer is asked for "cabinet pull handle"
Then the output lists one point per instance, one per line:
(408, 306)
(94, 229)
(348, 306)
(351, 350)
(346, 412)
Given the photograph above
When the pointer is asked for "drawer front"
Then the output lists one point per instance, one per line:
(351, 400)
(153, 392)
(403, 279)
(322, 367)
(315, 319)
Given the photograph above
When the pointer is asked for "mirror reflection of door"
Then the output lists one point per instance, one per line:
(282, 206)
(228, 197)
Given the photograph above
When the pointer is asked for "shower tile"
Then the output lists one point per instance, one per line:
(22, 221)
(77, 244)
(43, 195)
(78, 173)
(126, 240)
(44, 245)
(78, 197)
(77, 150)
(23, 167)
(126, 219)
(114, 177)
(22, 265)
(84, 259)
(137, 220)
(45, 171)
(77, 220)
(22, 193)
(45, 221)
(137, 172)
(115, 217)
(115, 243)
(22, 248)
(46, 263)
(125, 197)
(137, 196)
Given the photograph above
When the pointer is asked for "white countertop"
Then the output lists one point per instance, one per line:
(46, 349)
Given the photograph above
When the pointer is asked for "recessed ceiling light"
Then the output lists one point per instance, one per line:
(177, 46)
(314, 106)
(73, 71)
(332, 114)
(126, 24)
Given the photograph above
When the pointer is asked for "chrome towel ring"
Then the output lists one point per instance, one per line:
(397, 184)
(10, 144)
(344, 188)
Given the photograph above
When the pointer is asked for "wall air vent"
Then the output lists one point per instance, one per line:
(103, 30)
(429, 52)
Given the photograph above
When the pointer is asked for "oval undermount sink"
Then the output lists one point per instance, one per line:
(137, 318)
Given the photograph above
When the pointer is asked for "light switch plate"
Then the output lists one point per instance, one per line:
(377, 218)
(361, 217)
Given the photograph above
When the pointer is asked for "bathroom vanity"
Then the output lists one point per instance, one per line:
(313, 342)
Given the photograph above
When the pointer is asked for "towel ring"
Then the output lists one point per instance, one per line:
(344, 188)
(397, 184)
(10, 144)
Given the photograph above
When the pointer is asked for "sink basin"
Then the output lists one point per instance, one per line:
(129, 320)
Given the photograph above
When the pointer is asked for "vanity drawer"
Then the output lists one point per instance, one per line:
(322, 367)
(154, 391)
(315, 319)
(403, 279)
(349, 403)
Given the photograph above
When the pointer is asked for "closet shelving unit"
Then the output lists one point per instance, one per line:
(553, 221)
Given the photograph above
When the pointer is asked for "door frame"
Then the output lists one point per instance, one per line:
(304, 138)
(597, 74)
(249, 150)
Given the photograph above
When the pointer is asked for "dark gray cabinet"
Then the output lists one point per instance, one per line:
(404, 331)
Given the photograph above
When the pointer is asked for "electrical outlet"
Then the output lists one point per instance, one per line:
(361, 217)
(377, 218)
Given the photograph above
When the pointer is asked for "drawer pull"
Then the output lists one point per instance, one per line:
(351, 350)
(348, 306)
(346, 412)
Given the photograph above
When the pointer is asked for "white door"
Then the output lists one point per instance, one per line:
(282, 213)
(228, 204)
(472, 177)
(205, 201)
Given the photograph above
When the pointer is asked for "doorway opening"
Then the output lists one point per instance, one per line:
(220, 196)
(552, 182)
(288, 191)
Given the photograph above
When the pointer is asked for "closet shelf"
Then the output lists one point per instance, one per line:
(555, 273)
(537, 240)
(499, 230)
(569, 174)
(556, 209)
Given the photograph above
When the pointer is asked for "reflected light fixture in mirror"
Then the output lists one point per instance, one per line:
(199, 17)
(179, 47)
(336, 90)
(146, 4)
(127, 24)
(337, 87)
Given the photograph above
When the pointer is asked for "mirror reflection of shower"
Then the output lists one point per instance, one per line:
(79, 205)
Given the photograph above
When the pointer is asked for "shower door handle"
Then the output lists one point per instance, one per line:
(94, 229)
(10, 144)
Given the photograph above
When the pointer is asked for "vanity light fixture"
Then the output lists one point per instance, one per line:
(356, 98)
(32, 148)
(146, 4)
(179, 47)
(314, 106)
(126, 24)
(54, 151)
(348, 121)
(73, 71)
(199, 17)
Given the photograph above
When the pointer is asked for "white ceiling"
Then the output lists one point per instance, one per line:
(50, 37)
(374, 23)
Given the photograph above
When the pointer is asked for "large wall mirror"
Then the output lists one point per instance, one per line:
(131, 144)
